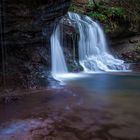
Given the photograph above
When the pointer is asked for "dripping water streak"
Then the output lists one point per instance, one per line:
(58, 61)
(2, 26)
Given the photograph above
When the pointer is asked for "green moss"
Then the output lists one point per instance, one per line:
(107, 29)
(115, 11)
(102, 12)
(97, 15)
(77, 9)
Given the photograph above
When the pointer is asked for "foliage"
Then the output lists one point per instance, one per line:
(75, 8)
(97, 15)
(115, 11)
(100, 12)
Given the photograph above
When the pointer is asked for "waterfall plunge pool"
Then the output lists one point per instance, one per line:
(89, 106)
(93, 106)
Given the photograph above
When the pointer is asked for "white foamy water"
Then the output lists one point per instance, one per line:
(58, 61)
(94, 55)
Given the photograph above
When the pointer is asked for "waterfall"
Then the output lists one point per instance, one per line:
(94, 55)
(58, 61)
(93, 50)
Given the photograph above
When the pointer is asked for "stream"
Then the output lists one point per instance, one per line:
(99, 106)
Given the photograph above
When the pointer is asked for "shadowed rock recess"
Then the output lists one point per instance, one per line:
(28, 27)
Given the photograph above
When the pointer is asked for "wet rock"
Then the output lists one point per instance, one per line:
(28, 27)
(31, 129)
(32, 14)
(127, 133)
(126, 48)
(131, 56)
(70, 44)
(135, 67)
(133, 41)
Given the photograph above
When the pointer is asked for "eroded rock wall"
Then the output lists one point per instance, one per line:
(28, 27)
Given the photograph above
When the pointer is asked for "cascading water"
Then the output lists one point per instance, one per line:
(94, 55)
(58, 61)
(93, 52)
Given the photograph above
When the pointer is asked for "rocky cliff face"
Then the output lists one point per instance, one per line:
(28, 27)
(27, 21)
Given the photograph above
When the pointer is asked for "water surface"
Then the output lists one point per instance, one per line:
(101, 106)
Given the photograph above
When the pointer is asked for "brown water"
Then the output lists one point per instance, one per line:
(94, 107)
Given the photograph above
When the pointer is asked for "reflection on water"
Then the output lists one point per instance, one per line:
(91, 107)
(107, 83)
